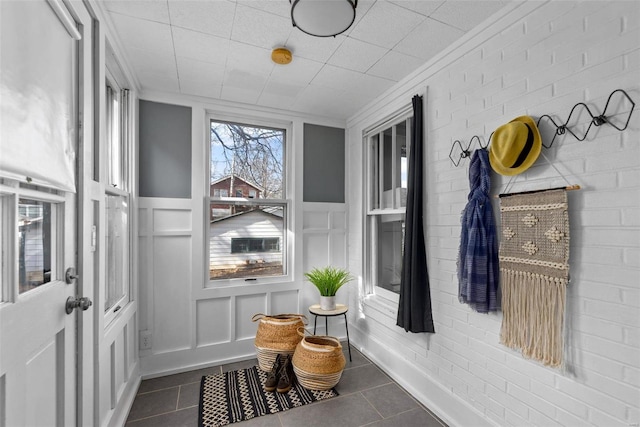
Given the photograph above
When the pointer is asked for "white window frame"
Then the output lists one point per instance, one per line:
(287, 241)
(121, 302)
(125, 154)
(10, 194)
(373, 213)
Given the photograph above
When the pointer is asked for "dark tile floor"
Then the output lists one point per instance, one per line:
(368, 397)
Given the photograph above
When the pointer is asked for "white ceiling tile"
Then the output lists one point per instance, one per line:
(152, 62)
(259, 28)
(428, 39)
(361, 10)
(423, 7)
(395, 66)
(244, 57)
(245, 79)
(152, 10)
(315, 48)
(466, 14)
(385, 24)
(277, 7)
(239, 94)
(159, 82)
(143, 34)
(204, 47)
(210, 17)
(356, 55)
(199, 88)
(193, 70)
(329, 102)
(342, 79)
(289, 90)
(299, 71)
(280, 95)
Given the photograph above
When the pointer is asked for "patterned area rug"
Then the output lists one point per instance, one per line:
(238, 396)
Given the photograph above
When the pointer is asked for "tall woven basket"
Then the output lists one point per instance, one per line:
(318, 361)
(277, 334)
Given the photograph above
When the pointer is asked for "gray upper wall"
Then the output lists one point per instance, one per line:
(324, 164)
(165, 150)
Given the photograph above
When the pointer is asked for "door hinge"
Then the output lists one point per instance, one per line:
(94, 238)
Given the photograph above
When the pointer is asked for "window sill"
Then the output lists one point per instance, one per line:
(384, 301)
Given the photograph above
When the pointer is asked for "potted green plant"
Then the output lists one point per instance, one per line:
(328, 280)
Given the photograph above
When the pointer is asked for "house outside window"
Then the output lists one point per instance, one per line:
(247, 235)
(386, 151)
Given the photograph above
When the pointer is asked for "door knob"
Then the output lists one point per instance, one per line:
(78, 302)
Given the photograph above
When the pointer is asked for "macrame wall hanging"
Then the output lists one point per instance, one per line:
(534, 269)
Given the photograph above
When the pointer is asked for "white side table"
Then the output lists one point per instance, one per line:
(341, 309)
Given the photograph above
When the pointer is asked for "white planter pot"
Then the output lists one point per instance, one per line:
(328, 303)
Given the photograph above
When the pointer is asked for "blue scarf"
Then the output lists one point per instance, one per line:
(478, 271)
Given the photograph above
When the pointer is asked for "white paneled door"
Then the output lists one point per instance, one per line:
(39, 52)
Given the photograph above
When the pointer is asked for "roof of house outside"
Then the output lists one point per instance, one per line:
(219, 180)
(276, 211)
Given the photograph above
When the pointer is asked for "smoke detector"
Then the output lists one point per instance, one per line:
(281, 56)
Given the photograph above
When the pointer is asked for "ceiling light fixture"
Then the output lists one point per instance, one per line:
(323, 18)
(281, 55)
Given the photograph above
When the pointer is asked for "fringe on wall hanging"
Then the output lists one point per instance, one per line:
(534, 269)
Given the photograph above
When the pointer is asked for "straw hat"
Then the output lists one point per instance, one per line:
(515, 146)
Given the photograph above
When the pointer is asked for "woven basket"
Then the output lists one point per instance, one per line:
(318, 361)
(277, 334)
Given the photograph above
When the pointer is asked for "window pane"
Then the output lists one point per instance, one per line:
(117, 246)
(386, 175)
(34, 243)
(117, 128)
(246, 159)
(402, 170)
(390, 246)
(246, 240)
(374, 176)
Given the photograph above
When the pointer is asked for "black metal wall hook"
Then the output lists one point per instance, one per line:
(596, 120)
(464, 151)
(560, 129)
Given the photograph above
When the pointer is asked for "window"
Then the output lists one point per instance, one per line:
(117, 243)
(254, 244)
(247, 236)
(386, 150)
(30, 227)
(116, 184)
(34, 243)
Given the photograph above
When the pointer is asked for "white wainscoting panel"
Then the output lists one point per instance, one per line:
(172, 220)
(246, 307)
(211, 324)
(282, 302)
(171, 292)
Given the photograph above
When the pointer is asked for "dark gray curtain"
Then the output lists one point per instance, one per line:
(414, 310)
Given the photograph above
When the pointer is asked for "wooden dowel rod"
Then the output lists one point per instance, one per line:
(568, 188)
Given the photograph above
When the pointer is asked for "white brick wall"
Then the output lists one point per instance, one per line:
(539, 58)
